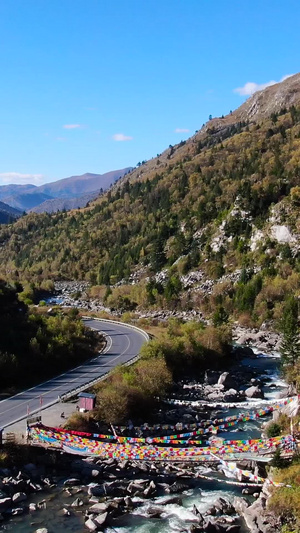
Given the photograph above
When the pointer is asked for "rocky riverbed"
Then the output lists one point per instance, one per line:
(63, 493)
(75, 294)
(106, 495)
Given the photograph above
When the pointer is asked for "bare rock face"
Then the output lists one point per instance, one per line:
(240, 504)
(259, 520)
(271, 100)
(256, 516)
(260, 105)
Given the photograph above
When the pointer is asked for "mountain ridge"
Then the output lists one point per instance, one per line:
(64, 204)
(259, 106)
(8, 213)
(27, 197)
(211, 224)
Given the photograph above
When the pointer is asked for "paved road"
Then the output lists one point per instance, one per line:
(123, 343)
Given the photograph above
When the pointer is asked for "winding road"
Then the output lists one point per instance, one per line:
(123, 344)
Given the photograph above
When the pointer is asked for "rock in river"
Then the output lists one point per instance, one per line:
(254, 392)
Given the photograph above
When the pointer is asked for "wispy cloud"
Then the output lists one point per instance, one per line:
(121, 137)
(19, 179)
(181, 130)
(72, 126)
(251, 87)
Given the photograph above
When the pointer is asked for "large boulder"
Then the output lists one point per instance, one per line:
(99, 508)
(231, 395)
(254, 392)
(216, 396)
(227, 380)
(4, 504)
(19, 497)
(211, 377)
(244, 351)
(224, 506)
(155, 511)
(240, 504)
(70, 482)
(177, 487)
(91, 525)
(100, 519)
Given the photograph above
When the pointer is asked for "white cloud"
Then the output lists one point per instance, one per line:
(72, 126)
(121, 137)
(251, 87)
(19, 179)
(181, 130)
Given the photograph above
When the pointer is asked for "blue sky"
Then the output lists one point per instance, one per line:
(97, 85)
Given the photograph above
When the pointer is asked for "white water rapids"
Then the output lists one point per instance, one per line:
(175, 517)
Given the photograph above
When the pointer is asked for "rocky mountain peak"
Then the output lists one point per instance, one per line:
(271, 100)
(261, 104)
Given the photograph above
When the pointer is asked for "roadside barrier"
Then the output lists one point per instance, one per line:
(77, 390)
(144, 333)
(133, 360)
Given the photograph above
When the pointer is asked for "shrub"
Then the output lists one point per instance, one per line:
(79, 422)
(113, 403)
(131, 392)
(285, 501)
(277, 461)
(273, 430)
(220, 316)
(153, 377)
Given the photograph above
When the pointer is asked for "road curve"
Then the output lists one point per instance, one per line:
(123, 344)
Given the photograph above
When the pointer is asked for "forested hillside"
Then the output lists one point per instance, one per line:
(223, 206)
(34, 345)
(8, 214)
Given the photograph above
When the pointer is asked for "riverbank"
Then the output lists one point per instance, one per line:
(134, 496)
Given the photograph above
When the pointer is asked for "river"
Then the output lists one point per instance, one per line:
(175, 517)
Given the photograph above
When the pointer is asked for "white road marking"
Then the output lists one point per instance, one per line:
(27, 402)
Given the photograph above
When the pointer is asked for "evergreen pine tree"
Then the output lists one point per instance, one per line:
(290, 346)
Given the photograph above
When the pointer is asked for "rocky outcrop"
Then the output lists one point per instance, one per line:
(256, 516)
(263, 339)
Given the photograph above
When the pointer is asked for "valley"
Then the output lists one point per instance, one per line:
(199, 247)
